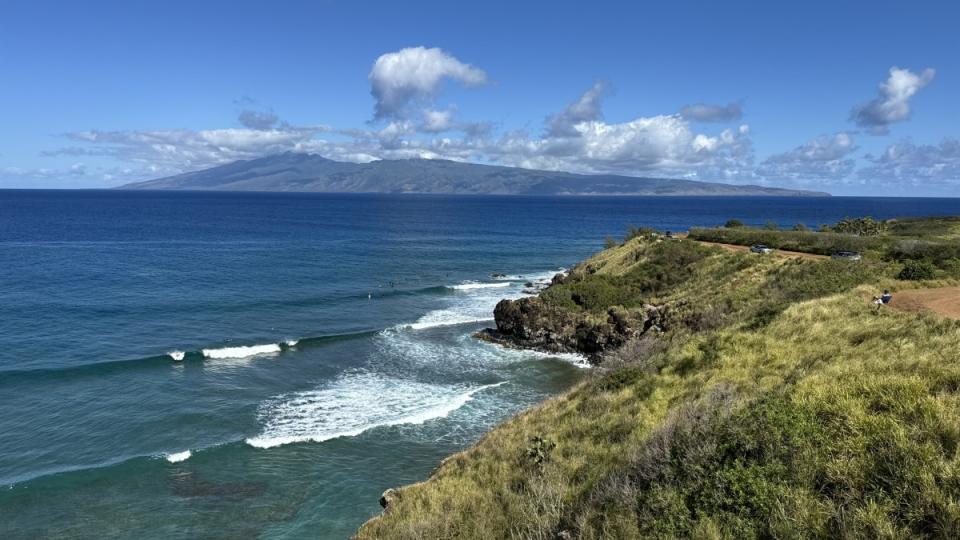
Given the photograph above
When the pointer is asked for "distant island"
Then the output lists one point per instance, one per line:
(299, 172)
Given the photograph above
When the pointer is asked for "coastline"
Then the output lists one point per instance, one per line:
(720, 334)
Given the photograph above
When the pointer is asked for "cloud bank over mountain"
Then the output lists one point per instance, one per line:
(412, 119)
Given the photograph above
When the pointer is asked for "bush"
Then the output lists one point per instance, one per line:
(823, 243)
(633, 232)
(917, 271)
(938, 253)
(733, 223)
(800, 227)
(865, 226)
(610, 242)
(666, 264)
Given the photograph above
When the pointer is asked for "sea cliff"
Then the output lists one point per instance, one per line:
(735, 395)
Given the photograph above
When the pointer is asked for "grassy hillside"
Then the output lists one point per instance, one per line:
(775, 402)
(933, 241)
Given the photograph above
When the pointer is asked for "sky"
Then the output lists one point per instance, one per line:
(853, 98)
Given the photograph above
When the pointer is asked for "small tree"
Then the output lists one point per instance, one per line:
(733, 223)
(800, 227)
(771, 226)
(917, 271)
(610, 242)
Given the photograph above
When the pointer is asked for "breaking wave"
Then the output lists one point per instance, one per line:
(354, 404)
(476, 285)
(242, 352)
(177, 457)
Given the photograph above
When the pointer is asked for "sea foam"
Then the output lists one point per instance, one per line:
(354, 404)
(469, 286)
(242, 352)
(177, 356)
(177, 457)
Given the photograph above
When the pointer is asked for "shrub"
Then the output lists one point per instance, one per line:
(800, 227)
(916, 271)
(610, 242)
(811, 242)
(633, 232)
(771, 226)
(866, 226)
(733, 223)
(937, 253)
(538, 453)
(666, 264)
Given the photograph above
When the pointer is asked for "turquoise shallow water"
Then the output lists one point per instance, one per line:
(325, 338)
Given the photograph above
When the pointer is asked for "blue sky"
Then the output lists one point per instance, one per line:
(848, 97)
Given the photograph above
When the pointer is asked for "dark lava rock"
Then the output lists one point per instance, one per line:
(388, 497)
(531, 323)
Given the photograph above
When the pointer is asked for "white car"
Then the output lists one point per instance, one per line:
(762, 249)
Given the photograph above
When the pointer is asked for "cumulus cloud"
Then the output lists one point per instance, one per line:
(702, 112)
(575, 139)
(415, 74)
(578, 139)
(893, 103)
(824, 159)
(905, 163)
(585, 109)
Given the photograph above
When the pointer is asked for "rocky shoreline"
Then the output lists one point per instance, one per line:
(531, 323)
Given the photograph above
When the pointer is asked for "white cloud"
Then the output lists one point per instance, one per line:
(437, 121)
(170, 151)
(578, 139)
(824, 159)
(926, 166)
(414, 74)
(585, 109)
(702, 112)
(893, 103)
(663, 145)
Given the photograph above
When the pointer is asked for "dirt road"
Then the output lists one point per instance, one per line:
(779, 252)
(944, 301)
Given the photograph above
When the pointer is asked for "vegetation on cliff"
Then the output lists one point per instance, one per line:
(935, 241)
(769, 400)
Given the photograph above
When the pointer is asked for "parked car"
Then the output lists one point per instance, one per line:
(762, 249)
(846, 255)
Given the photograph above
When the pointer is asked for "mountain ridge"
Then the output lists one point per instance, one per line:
(301, 172)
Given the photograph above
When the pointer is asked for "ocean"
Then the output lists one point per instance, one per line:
(251, 365)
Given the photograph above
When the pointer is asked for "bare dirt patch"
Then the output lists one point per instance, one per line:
(943, 301)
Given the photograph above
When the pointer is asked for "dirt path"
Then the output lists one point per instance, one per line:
(944, 301)
(780, 252)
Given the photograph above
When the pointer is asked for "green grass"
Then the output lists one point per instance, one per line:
(932, 240)
(800, 412)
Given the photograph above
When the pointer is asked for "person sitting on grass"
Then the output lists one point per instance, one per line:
(883, 299)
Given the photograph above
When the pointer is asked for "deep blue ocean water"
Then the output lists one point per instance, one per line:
(325, 344)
